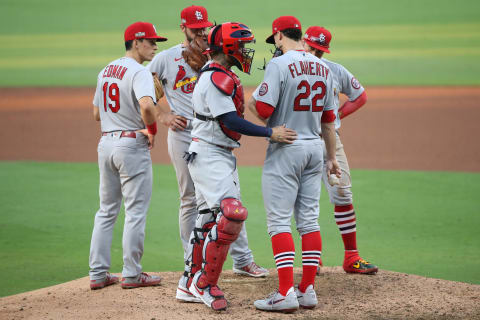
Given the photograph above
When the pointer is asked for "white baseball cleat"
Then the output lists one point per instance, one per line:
(252, 270)
(211, 296)
(183, 293)
(278, 302)
(307, 299)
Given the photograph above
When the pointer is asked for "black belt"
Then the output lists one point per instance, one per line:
(203, 118)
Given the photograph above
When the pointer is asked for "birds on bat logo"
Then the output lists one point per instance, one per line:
(186, 84)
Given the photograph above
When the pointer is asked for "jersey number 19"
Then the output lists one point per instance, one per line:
(113, 95)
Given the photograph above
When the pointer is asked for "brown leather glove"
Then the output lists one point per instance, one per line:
(158, 86)
(193, 54)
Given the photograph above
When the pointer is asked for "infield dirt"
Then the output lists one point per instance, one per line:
(387, 295)
(419, 128)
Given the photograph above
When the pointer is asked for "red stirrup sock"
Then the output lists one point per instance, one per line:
(346, 222)
(311, 252)
(284, 254)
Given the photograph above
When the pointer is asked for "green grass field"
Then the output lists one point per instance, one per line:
(411, 42)
(416, 222)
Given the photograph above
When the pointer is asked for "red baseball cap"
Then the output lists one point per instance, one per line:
(282, 23)
(142, 30)
(195, 17)
(318, 38)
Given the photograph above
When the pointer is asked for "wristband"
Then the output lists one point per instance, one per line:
(152, 128)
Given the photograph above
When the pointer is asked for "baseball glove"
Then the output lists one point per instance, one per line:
(158, 86)
(277, 52)
(193, 54)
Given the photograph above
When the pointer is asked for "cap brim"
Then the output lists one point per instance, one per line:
(158, 39)
(199, 25)
(317, 46)
(270, 39)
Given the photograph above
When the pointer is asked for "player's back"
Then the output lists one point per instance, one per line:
(343, 82)
(304, 91)
(115, 96)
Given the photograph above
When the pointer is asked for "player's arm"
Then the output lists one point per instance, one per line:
(279, 134)
(96, 113)
(266, 96)
(97, 99)
(222, 107)
(328, 130)
(329, 137)
(149, 117)
(350, 107)
(168, 119)
(144, 90)
(355, 92)
(260, 109)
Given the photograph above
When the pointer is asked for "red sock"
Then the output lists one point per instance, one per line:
(284, 254)
(311, 251)
(346, 222)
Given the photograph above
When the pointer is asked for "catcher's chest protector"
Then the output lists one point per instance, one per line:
(229, 84)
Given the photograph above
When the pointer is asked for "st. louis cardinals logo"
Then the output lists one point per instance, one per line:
(185, 84)
(199, 15)
(321, 38)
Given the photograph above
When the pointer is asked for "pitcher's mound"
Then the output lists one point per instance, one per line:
(386, 295)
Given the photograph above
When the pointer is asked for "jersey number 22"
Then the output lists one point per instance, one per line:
(316, 100)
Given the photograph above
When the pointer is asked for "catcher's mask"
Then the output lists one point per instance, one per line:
(230, 38)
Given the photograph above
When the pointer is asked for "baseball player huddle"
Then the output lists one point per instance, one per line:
(298, 101)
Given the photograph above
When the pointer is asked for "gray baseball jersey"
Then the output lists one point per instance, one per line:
(124, 164)
(178, 79)
(117, 83)
(299, 86)
(208, 101)
(343, 82)
(297, 83)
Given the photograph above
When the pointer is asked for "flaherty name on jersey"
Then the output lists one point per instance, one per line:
(114, 71)
(310, 68)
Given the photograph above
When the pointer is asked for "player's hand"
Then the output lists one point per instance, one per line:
(174, 122)
(333, 168)
(283, 134)
(178, 123)
(151, 138)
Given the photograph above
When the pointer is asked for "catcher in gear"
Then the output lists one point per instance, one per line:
(179, 79)
(218, 104)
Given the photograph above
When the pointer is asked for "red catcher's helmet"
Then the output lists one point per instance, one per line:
(230, 38)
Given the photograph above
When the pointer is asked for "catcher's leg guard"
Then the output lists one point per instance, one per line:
(205, 222)
(229, 224)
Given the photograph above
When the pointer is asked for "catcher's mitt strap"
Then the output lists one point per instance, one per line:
(223, 82)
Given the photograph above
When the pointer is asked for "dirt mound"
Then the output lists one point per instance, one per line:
(387, 295)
